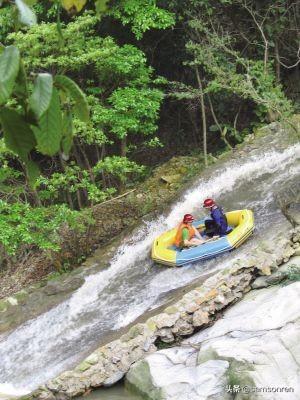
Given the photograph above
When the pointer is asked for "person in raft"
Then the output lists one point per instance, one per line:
(187, 235)
(217, 224)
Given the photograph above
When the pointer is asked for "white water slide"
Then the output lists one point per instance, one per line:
(112, 298)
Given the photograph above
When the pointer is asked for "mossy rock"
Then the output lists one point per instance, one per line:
(83, 366)
(3, 305)
(171, 310)
(151, 325)
(207, 355)
(21, 296)
(135, 331)
(138, 381)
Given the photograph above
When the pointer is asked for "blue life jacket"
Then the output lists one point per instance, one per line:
(220, 219)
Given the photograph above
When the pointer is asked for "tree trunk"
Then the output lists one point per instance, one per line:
(277, 61)
(204, 128)
(102, 172)
(67, 193)
(194, 124)
(78, 195)
(222, 131)
(31, 191)
(123, 146)
(87, 162)
(123, 154)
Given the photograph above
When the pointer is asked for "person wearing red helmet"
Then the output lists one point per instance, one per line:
(187, 235)
(217, 225)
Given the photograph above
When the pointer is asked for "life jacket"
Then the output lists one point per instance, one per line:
(178, 237)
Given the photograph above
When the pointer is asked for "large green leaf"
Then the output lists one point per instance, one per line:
(67, 138)
(33, 172)
(26, 15)
(49, 131)
(9, 67)
(41, 96)
(18, 135)
(81, 107)
(21, 88)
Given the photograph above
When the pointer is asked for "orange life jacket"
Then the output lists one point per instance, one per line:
(178, 238)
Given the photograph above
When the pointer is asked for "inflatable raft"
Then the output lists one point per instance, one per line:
(164, 251)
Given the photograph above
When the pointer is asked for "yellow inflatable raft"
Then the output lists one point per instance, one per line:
(164, 251)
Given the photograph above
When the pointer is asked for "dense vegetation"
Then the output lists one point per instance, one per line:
(93, 94)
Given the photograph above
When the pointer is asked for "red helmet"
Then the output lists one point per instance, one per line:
(188, 218)
(208, 203)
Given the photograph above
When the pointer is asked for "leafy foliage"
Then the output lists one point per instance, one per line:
(130, 105)
(84, 93)
(38, 227)
(229, 71)
(74, 178)
(142, 15)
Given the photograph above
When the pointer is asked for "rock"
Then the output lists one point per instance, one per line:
(134, 331)
(171, 310)
(182, 328)
(191, 307)
(297, 252)
(55, 286)
(92, 359)
(166, 335)
(278, 276)
(3, 306)
(125, 363)
(96, 380)
(260, 282)
(288, 253)
(148, 344)
(171, 178)
(83, 366)
(256, 343)
(12, 300)
(136, 355)
(248, 319)
(42, 394)
(117, 376)
(210, 295)
(165, 320)
(200, 318)
(169, 375)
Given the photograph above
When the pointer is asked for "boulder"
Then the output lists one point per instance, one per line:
(168, 374)
(255, 345)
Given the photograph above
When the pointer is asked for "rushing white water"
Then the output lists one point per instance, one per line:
(114, 297)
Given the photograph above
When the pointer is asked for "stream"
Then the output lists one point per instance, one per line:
(114, 297)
